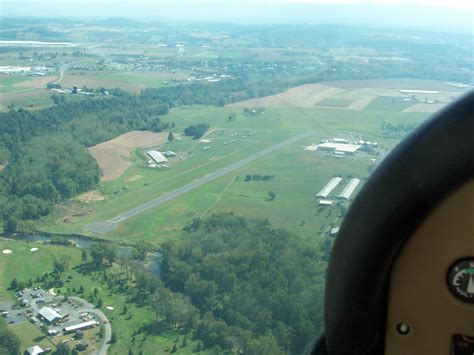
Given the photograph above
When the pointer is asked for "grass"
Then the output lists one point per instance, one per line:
(304, 171)
(30, 335)
(334, 102)
(385, 103)
(7, 83)
(23, 264)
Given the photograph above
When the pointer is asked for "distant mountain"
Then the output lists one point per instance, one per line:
(393, 16)
(117, 22)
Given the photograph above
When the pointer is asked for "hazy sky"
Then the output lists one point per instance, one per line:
(445, 15)
(465, 5)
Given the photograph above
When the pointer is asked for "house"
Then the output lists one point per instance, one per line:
(169, 153)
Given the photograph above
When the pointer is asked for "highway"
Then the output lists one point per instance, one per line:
(111, 224)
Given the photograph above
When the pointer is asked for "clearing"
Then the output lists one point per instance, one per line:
(301, 96)
(361, 95)
(113, 156)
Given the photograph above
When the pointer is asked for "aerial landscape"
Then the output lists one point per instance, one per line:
(176, 187)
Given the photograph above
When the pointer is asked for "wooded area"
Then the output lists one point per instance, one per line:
(257, 289)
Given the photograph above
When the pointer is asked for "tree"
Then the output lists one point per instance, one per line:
(124, 309)
(100, 303)
(9, 342)
(83, 255)
(271, 195)
(170, 137)
(175, 348)
(113, 338)
(14, 284)
(11, 225)
(63, 349)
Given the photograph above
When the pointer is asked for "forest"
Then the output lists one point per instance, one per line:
(257, 289)
(46, 155)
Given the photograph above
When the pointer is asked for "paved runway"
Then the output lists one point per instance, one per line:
(111, 224)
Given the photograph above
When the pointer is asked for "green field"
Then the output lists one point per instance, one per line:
(385, 103)
(293, 209)
(136, 79)
(335, 102)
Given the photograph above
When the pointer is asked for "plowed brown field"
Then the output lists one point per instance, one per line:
(113, 156)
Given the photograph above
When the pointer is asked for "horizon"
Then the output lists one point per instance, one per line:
(398, 14)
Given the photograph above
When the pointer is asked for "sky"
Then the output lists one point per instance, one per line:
(451, 15)
(463, 5)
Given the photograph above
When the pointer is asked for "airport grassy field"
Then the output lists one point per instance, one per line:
(294, 209)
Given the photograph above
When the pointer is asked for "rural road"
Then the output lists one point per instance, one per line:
(111, 224)
(89, 308)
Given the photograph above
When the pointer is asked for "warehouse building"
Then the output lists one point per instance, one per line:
(80, 326)
(340, 148)
(157, 157)
(329, 187)
(49, 314)
(349, 189)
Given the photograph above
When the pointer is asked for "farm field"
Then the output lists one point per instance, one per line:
(307, 171)
(113, 156)
(130, 81)
(364, 94)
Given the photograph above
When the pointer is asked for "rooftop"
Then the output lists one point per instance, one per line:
(49, 314)
(341, 147)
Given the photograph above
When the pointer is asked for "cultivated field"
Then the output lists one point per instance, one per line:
(130, 81)
(359, 95)
(301, 96)
(113, 156)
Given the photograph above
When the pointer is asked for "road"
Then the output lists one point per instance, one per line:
(89, 308)
(111, 224)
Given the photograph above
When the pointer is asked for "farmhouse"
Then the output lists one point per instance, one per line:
(329, 187)
(157, 157)
(84, 325)
(49, 314)
(349, 189)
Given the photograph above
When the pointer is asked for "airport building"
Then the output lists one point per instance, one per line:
(329, 187)
(349, 189)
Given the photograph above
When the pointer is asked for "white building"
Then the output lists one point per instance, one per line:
(34, 350)
(49, 314)
(325, 202)
(349, 189)
(339, 147)
(169, 153)
(157, 157)
(72, 328)
(329, 187)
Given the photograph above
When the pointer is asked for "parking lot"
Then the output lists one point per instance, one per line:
(72, 312)
(12, 315)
